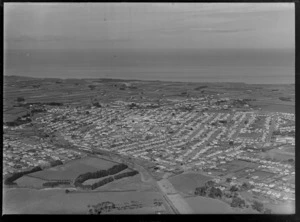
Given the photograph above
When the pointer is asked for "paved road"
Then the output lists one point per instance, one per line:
(182, 207)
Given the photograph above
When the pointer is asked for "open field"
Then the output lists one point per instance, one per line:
(56, 201)
(27, 181)
(285, 208)
(187, 183)
(236, 165)
(262, 174)
(72, 169)
(204, 205)
(127, 183)
(279, 154)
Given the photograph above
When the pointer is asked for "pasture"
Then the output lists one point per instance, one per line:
(204, 205)
(72, 169)
(262, 174)
(27, 181)
(187, 183)
(56, 201)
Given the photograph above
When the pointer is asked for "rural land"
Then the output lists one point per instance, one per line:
(112, 146)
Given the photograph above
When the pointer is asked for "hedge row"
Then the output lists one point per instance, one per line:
(10, 180)
(56, 183)
(98, 174)
(97, 184)
(126, 174)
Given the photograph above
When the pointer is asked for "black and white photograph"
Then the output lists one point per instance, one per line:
(132, 108)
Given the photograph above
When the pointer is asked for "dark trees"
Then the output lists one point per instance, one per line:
(201, 191)
(234, 188)
(20, 99)
(258, 206)
(237, 202)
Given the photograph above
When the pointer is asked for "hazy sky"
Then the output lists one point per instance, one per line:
(149, 25)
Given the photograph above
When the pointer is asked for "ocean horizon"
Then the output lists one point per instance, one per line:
(223, 65)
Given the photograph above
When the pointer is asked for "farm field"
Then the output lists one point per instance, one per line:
(71, 170)
(27, 181)
(187, 183)
(128, 183)
(56, 201)
(204, 205)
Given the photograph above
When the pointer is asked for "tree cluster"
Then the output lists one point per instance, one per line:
(258, 206)
(234, 188)
(209, 190)
(106, 206)
(237, 202)
(56, 163)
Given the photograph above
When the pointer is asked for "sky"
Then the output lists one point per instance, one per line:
(149, 26)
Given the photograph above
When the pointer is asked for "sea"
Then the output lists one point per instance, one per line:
(251, 66)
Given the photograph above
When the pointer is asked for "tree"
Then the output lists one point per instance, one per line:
(234, 188)
(228, 180)
(246, 186)
(258, 206)
(237, 202)
(201, 191)
(215, 192)
(92, 87)
(209, 183)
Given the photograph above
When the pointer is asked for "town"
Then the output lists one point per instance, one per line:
(222, 138)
